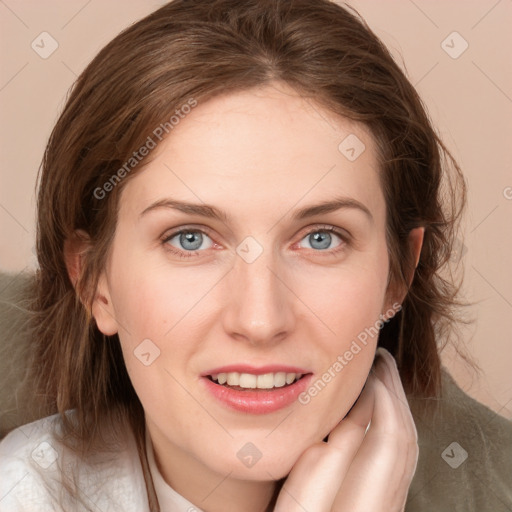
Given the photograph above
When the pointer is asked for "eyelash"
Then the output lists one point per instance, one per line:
(317, 229)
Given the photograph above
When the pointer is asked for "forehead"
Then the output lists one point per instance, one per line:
(257, 149)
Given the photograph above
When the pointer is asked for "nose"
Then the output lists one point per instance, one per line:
(260, 309)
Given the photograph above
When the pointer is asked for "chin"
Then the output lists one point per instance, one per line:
(261, 471)
(258, 461)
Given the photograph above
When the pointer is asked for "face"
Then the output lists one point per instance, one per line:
(266, 286)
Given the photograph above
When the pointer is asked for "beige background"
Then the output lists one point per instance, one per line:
(469, 99)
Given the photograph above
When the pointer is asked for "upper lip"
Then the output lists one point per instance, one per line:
(260, 370)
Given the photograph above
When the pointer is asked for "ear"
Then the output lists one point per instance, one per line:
(102, 309)
(415, 241)
(415, 244)
(74, 248)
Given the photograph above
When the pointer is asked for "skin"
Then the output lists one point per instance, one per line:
(259, 155)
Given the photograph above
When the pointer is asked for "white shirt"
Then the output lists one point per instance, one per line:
(32, 480)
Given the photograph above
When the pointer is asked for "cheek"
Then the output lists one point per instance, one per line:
(347, 300)
(150, 300)
(333, 391)
(349, 303)
(154, 307)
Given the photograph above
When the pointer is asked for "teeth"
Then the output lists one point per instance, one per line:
(290, 377)
(279, 379)
(233, 379)
(250, 381)
(266, 381)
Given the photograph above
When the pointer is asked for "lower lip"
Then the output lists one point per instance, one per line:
(258, 402)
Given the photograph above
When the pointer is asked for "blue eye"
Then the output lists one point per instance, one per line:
(321, 239)
(189, 242)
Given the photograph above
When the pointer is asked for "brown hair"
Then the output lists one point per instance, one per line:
(197, 49)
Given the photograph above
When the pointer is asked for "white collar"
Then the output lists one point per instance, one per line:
(168, 499)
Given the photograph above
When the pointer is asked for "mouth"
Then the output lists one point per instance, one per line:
(256, 391)
(245, 381)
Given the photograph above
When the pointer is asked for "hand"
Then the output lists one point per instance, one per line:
(356, 471)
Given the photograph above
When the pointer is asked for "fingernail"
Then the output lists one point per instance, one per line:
(385, 355)
(379, 354)
(382, 350)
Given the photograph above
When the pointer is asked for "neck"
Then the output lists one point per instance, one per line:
(207, 489)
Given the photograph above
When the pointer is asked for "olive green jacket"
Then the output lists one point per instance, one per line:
(465, 460)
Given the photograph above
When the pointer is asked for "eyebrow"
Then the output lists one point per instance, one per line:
(211, 212)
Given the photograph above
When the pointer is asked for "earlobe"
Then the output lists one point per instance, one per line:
(102, 310)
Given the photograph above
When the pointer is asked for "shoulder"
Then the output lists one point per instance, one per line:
(27, 460)
(39, 473)
(465, 460)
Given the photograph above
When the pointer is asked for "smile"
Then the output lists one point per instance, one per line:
(256, 391)
(251, 381)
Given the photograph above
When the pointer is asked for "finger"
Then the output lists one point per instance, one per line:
(390, 376)
(411, 438)
(378, 476)
(373, 470)
(406, 434)
(315, 479)
(349, 433)
(402, 423)
(313, 482)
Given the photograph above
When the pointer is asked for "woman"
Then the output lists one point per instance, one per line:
(239, 204)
